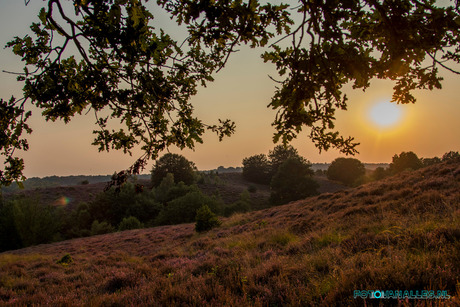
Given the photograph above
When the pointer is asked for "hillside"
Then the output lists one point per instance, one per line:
(400, 233)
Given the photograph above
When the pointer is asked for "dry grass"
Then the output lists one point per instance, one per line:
(401, 233)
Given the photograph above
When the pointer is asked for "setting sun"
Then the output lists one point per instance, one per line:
(385, 114)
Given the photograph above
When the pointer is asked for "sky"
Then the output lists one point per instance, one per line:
(240, 92)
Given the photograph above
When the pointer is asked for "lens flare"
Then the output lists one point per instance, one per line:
(63, 201)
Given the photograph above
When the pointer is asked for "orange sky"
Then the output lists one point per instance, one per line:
(241, 93)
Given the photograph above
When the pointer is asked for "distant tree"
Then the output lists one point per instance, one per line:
(406, 160)
(346, 170)
(35, 223)
(379, 173)
(257, 169)
(292, 181)
(430, 161)
(279, 155)
(181, 168)
(451, 156)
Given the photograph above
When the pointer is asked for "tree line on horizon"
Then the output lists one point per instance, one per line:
(348, 171)
(176, 198)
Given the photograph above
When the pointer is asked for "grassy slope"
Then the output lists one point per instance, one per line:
(401, 233)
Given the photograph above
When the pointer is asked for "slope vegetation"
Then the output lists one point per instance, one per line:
(401, 233)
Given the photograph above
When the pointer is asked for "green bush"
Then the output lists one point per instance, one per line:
(205, 219)
(183, 209)
(101, 228)
(242, 205)
(129, 223)
(65, 260)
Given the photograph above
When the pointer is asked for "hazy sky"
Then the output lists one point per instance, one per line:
(241, 93)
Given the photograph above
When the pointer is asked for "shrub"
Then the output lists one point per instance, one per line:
(183, 209)
(242, 205)
(65, 260)
(205, 219)
(168, 190)
(181, 168)
(130, 223)
(252, 189)
(101, 228)
(345, 170)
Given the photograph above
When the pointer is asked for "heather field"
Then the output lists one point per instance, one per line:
(400, 233)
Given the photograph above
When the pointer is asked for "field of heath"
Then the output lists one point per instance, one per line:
(400, 233)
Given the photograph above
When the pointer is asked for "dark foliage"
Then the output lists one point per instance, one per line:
(345, 170)
(430, 161)
(293, 181)
(65, 260)
(279, 155)
(182, 169)
(129, 223)
(451, 156)
(205, 219)
(379, 173)
(405, 161)
(257, 169)
(183, 209)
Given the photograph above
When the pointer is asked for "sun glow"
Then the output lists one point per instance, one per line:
(386, 115)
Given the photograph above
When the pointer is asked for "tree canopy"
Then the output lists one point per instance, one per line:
(106, 57)
(345, 170)
(405, 160)
(292, 181)
(181, 169)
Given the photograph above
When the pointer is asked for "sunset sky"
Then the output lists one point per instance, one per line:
(241, 92)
